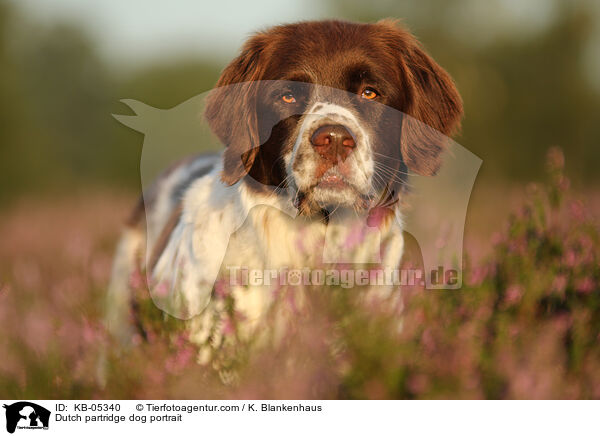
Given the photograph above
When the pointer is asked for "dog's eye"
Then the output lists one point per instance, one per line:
(288, 97)
(369, 93)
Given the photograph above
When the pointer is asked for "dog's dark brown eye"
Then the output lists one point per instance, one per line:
(369, 93)
(288, 98)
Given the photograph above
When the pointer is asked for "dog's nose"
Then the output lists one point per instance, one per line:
(332, 141)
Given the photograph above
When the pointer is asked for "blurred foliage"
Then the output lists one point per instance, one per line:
(524, 325)
(56, 128)
(523, 91)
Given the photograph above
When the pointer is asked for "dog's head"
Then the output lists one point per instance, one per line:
(333, 113)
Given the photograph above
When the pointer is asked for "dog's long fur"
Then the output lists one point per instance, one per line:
(272, 170)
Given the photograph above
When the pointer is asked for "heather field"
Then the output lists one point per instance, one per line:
(525, 325)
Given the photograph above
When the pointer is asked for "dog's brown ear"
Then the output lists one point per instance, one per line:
(231, 109)
(430, 99)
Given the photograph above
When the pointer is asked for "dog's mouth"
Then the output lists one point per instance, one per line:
(335, 185)
(330, 192)
(333, 181)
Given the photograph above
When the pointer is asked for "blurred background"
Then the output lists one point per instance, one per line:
(529, 73)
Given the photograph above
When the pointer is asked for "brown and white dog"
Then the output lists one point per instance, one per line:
(320, 121)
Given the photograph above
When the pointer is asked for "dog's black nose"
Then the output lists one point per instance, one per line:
(332, 141)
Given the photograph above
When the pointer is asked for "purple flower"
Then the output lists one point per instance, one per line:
(513, 295)
(585, 285)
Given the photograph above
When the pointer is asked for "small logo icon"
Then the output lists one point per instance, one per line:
(26, 415)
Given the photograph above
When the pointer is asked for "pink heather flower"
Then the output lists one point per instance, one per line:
(428, 341)
(585, 285)
(154, 376)
(375, 389)
(356, 236)
(577, 210)
(181, 358)
(559, 284)
(151, 336)
(518, 246)
(162, 289)
(136, 279)
(561, 323)
(564, 183)
(570, 258)
(184, 357)
(221, 289)
(239, 316)
(90, 333)
(497, 238)
(181, 340)
(418, 384)
(478, 275)
(228, 328)
(513, 294)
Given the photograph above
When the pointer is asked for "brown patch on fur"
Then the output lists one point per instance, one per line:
(231, 109)
(431, 98)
